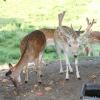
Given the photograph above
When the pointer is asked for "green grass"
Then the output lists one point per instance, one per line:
(19, 17)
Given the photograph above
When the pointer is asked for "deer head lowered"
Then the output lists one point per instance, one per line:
(34, 47)
(66, 40)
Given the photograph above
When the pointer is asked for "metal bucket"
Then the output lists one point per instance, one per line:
(90, 91)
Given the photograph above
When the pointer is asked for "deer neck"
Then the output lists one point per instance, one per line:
(21, 63)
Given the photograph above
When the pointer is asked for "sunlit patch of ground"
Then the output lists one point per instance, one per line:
(4, 67)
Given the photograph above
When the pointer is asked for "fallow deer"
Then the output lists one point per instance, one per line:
(94, 37)
(32, 50)
(91, 37)
(66, 40)
(49, 33)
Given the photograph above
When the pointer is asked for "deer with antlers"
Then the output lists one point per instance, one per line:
(94, 36)
(49, 34)
(90, 36)
(32, 51)
(66, 40)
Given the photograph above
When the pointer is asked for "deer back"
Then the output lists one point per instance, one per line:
(48, 32)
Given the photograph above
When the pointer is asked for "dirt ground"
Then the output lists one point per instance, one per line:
(54, 86)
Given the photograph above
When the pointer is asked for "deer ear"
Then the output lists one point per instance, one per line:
(10, 65)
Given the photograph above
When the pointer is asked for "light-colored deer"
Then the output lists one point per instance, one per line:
(32, 49)
(90, 37)
(93, 37)
(66, 40)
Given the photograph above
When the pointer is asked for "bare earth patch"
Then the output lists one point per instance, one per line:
(54, 86)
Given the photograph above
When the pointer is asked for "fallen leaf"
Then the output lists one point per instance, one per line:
(48, 88)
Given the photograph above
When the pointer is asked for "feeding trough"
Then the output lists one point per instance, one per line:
(90, 91)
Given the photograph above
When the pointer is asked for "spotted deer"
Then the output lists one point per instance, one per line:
(32, 48)
(49, 33)
(90, 37)
(66, 40)
(94, 37)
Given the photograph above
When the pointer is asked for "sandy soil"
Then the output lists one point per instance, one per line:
(54, 86)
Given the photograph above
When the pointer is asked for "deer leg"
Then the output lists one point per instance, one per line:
(19, 79)
(77, 70)
(61, 68)
(59, 54)
(33, 66)
(41, 63)
(89, 53)
(24, 69)
(67, 62)
(37, 66)
(67, 66)
(90, 50)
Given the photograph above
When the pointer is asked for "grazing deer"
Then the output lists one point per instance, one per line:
(66, 40)
(32, 48)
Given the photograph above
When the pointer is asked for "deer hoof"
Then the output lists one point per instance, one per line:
(79, 78)
(67, 79)
(26, 81)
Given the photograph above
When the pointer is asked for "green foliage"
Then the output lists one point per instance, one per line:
(19, 17)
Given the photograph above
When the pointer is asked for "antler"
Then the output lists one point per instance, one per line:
(87, 20)
(60, 17)
(93, 22)
(74, 33)
(71, 27)
(80, 28)
(90, 24)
